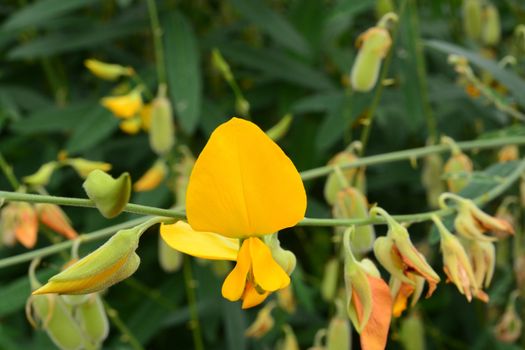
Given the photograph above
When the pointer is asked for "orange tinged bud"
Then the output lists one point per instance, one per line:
(19, 220)
(263, 323)
(508, 153)
(457, 170)
(53, 217)
(286, 299)
(509, 328)
(334, 183)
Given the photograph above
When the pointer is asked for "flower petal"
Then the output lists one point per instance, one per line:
(243, 184)
(251, 296)
(233, 286)
(375, 333)
(269, 275)
(206, 245)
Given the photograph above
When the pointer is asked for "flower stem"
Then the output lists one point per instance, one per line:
(156, 31)
(127, 335)
(189, 283)
(8, 172)
(413, 153)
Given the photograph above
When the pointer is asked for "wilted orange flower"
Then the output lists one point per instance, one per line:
(53, 217)
(242, 187)
(19, 220)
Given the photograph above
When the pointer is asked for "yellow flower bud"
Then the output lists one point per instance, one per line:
(339, 333)
(352, 176)
(162, 130)
(152, 178)
(83, 166)
(290, 341)
(107, 71)
(508, 153)
(110, 195)
(42, 175)
(483, 255)
(130, 126)
(352, 204)
(263, 323)
(375, 43)
(280, 129)
(330, 279)
(124, 106)
(170, 260)
(457, 170)
(491, 33)
(145, 116)
(472, 19)
(111, 263)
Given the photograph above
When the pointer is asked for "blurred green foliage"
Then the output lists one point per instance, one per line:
(287, 57)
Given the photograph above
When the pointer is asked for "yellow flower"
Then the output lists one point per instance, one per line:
(124, 106)
(242, 187)
(152, 178)
(107, 71)
(130, 126)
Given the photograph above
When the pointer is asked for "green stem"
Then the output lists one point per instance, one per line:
(127, 335)
(189, 283)
(365, 133)
(413, 153)
(156, 31)
(81, 202)
(8, 172)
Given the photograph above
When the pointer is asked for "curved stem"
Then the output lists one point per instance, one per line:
(8, 172)
(156, 31)
(189, 282)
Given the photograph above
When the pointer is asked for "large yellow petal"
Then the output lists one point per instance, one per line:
(207, 245)
(269, 275)
(243, 184)
(233, 286)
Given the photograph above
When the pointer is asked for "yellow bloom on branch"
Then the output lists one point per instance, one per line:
(242, 187)
(124, 106)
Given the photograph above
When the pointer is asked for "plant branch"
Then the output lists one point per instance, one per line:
(156, 31)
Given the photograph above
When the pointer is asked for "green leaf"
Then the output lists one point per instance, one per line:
(273, 24)
(317, 103)
(277, 65)
(235, 325)
(94, 127)
(183, 69)
(42, 11)
(511, 80)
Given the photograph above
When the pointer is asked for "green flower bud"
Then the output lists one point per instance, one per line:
(334, 183)
(339, 334)
(457, 170)
(42, 175)
(491, 34)
(412, 333)
(472, 19)
(375, 43)
(285, 258)
(93, 319)
(431, 178)
(162, 130)
(330, 279)
(110, 195)
(170, 260)
(111, 263)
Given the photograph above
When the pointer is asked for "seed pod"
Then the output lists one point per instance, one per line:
(375, 43)
(352, 204)
(170, 260)
(330, 279)
(93, 319)
(110, 195)
(83, 166)
(42, 175)
(491, 33)
(162, 131)
(412, 333)
(472, 19)
(152, 178)
(457, 169)
(339, 333)
(107, 71)
(431, 178)
(112, 262)
(352, 175)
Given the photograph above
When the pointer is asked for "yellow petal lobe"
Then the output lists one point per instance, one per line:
(233, 286)
(269, 275)
(207, 245)
(252, 297)
(243, 184)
